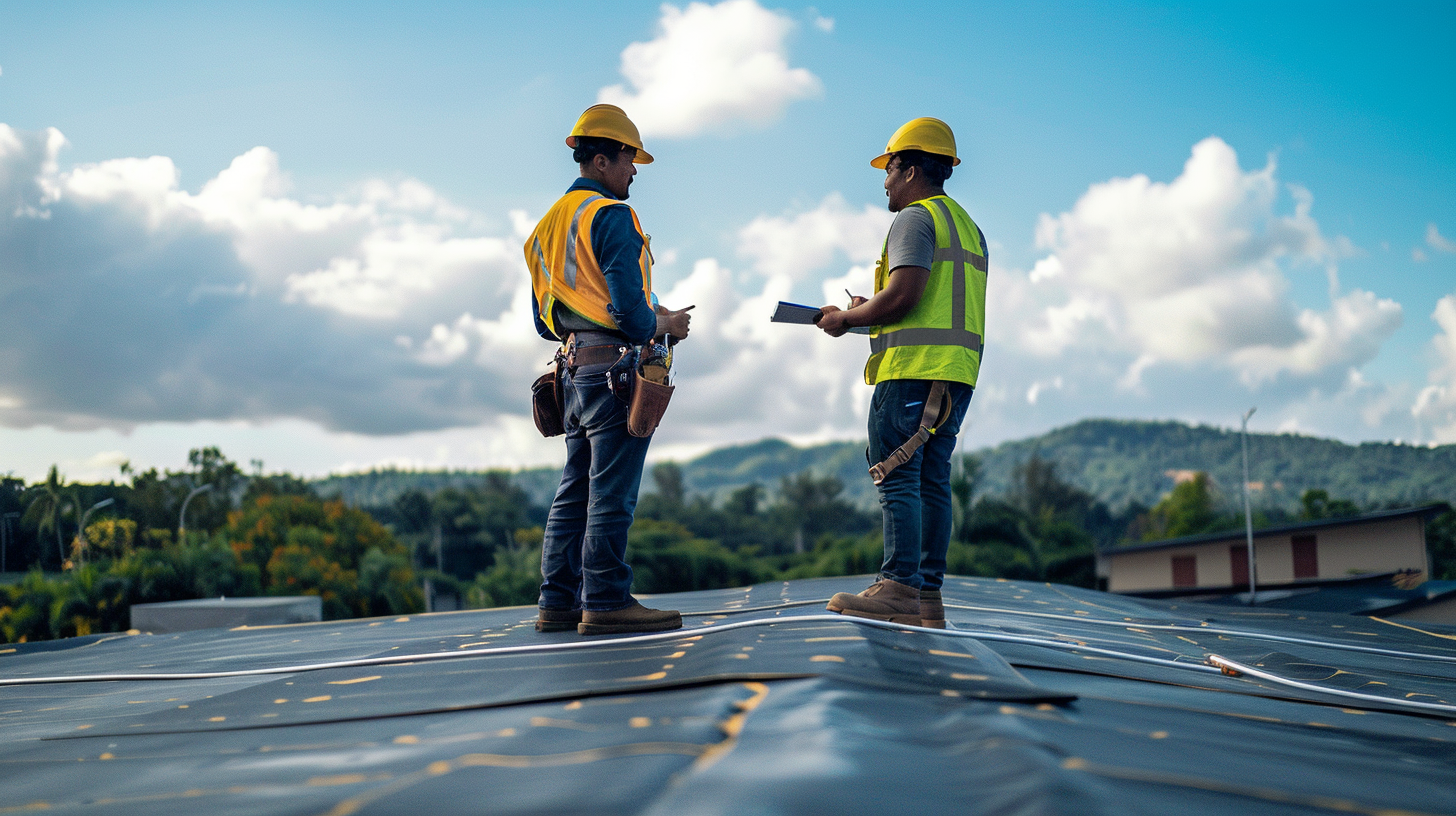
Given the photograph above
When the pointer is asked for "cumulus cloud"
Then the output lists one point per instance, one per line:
(126, 299)
(799, 245)
(1435, 406)
(1435, 240)
(1194, 271)
(710, 66)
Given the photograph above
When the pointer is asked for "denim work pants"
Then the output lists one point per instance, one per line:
(583, 558)
(915, 497)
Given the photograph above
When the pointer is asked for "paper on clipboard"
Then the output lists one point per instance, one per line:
(798, 313)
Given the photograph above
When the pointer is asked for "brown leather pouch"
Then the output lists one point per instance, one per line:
(546, 405)
(649, 403)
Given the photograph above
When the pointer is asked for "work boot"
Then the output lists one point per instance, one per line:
(932, 611)
(558, 620)
(635, 618)
(885, 600)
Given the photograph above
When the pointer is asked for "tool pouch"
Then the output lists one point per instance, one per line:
(546, 404)
(649, 403)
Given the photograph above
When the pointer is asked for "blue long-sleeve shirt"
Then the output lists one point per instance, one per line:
(618, 247)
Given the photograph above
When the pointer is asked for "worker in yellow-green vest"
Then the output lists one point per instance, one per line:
(591, 277)
(927, 319)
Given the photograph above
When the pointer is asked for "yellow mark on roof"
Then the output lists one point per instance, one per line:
(653, 676)
(107, 755)
(573, 705)
(407, 739)
(280, 701)
(959, 676)
(952, 654)
(337, 779)
(355, 680)
(1159, 735)
(640, 722)
(322, 698)
(211, 719)
(826, 639)
(675, 655)
(826, 659)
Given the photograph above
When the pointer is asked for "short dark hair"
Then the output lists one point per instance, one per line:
(588, 147)
(936, 168)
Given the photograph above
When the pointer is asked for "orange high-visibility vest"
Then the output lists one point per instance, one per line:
(564, 268)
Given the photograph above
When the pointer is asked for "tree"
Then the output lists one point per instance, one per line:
(1317, 504)
(1188, 510)
(48, 501)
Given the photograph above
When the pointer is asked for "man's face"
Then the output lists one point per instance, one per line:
(896, 184)
(617, 173)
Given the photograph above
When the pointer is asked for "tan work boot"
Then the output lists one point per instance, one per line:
(558, 620)
(635, 618)
(885, 600)
(932, 611)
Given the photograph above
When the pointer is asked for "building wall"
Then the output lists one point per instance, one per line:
(1372, 547)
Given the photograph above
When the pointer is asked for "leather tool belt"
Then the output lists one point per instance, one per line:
(937, 410)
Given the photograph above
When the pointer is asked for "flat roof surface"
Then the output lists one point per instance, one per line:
(1042, 699)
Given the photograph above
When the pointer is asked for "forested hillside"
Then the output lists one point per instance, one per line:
(1119, 462)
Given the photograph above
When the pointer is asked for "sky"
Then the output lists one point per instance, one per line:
(294, 231)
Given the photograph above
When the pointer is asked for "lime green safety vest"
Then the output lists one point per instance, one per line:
(940, 339)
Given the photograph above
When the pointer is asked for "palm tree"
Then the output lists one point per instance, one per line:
(46, 505)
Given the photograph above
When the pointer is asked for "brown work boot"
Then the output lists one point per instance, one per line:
(635, 618)
(885, 600)
(932, 611)
(558, 620)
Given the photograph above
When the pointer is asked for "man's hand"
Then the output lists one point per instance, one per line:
(833, 321)
(673, 323)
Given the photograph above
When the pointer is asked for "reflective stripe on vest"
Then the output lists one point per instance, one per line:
(569, 275)
(931, 364)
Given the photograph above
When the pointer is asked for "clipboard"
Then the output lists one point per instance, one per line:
(798, 313)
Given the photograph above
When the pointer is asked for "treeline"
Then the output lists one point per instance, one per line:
(91, 551)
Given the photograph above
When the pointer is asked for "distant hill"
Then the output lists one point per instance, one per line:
(1119, 461)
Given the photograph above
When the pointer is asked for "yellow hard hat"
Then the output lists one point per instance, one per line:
(924, 134)
(609, 122)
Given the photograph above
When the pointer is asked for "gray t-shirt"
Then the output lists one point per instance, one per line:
(912, 239)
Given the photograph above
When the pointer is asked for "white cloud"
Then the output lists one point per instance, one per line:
(710, 66)
(1435, 406)
(242, 302)
(1194, 271)
(824, 24)
(799, 245)
(1435, 240)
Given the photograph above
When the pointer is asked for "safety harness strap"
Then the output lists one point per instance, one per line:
(937, 410)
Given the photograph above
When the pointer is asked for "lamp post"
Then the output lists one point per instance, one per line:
(182, 516)
(1248, 514)
(81, 532)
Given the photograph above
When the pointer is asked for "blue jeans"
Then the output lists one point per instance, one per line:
(915, 497)
(583, 557)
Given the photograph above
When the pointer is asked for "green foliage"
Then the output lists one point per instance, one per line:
(1441, 544)
(1317, 504)
(1188, 510)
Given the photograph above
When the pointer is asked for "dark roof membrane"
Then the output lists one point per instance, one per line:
(1043, 699)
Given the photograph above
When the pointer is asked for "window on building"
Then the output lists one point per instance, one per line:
(1185, 571)
(1306, 556)
(1239, 565)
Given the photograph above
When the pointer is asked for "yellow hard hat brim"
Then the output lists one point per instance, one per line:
(879, 162)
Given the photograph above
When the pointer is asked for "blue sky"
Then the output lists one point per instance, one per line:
(1193, 209)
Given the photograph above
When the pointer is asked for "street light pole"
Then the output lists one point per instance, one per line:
(81, 533)
(1248, 514)
(182, 516)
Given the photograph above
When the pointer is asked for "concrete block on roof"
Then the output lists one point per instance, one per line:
(225, 613)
